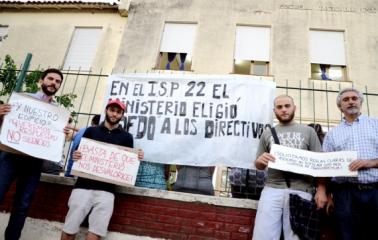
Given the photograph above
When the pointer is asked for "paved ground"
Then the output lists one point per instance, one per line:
(46, 230)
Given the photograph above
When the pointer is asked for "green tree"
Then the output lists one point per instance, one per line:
(8, 76)
(31, 81)
(8, 79)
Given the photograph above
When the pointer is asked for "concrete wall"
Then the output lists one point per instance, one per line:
(144, 212)
(46, 33)
(290, 22)
(132, 43)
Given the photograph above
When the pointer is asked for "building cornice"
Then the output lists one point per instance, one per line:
(121, 5)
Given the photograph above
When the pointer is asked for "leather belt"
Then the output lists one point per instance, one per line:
(359, 186)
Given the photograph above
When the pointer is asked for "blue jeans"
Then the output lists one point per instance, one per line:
(67, 173)
(356, 212)
(26, 171)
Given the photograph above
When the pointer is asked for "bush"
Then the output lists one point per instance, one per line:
(8, 79)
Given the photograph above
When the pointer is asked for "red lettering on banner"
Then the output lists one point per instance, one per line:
(83, 164)
(31, 129)
(13, 136)
(97, 151)
(114, 174)
(129, 160)
(35, 141)
(114, 156)
(116, 165)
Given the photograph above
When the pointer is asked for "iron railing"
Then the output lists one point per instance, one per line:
(314, 105)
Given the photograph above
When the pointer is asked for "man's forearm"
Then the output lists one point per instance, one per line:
(374, 163)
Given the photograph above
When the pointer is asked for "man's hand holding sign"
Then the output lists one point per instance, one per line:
(106, 162)
(33, 127)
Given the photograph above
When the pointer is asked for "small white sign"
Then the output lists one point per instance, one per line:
(106, 162)
(316, 164)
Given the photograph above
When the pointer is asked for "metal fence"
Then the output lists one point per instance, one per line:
(316, 103)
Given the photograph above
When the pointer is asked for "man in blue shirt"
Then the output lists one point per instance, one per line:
(76, 141)
(355, 199)
(25, 169)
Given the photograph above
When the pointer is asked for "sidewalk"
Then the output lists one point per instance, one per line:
(46, 230)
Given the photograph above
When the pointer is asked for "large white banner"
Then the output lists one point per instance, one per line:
(106, 162)
(316, 164)
(34, 127)
(198, 120)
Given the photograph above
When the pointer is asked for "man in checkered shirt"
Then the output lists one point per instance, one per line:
(355, 199)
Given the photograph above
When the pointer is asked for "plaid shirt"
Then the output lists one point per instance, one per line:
(361, 136)
(41, 96)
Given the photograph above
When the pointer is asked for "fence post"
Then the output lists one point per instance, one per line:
(22, 75)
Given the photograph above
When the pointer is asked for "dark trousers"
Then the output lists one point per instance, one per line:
(26, 171)
(246, 192)
(356, 211)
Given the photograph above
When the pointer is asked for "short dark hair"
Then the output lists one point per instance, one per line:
(96, 119)
(52, 70)
(319, 131)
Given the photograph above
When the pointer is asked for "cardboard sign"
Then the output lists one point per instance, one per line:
(106, 162)
(197, 120)
(34, 127)
(316, 164)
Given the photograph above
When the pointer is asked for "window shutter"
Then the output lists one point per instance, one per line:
(82, 48)
(178, 38)
(327, 47)
(252, 43)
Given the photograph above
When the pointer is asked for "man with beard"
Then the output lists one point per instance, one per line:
(95, 197)
(25, 169)
(355, 199)
(273, 208)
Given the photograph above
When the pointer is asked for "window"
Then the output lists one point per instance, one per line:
(176, 47)
(327, 55)
(82, 49)
(328, 72)
(252, 50)
(3, 34)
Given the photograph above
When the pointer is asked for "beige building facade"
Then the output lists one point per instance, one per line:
(311, 48)
(304, 39)
(321, 45)
(47, 31)
(79, 37)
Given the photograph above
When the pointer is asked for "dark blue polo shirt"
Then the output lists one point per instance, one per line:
(117, 136)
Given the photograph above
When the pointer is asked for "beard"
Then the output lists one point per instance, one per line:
(352, 110)
(112, 123)
(46, 90)
(285, 120)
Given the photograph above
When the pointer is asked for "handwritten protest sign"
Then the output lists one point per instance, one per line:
(34, 128)
(327, 164)
(198, 120)
(106, 162)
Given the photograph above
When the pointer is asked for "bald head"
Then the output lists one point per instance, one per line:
(283, 97)
(284, 108)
